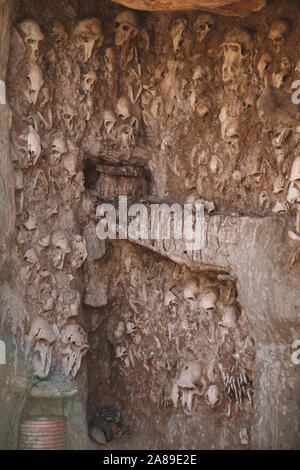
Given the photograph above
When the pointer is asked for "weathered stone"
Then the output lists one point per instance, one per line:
(7, 207)
(222, 7)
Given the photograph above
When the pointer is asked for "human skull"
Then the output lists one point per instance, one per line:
(44, 236)
(34, 148)
(236, 43)
(126, 27)
(32, 37)
(123, 108)
(59, 148)
(191, 292)
(79, 251)
(127, 133)
(208, 298)
(285, 70)
(89, 34)
(61, 247)
(230, 316)
(31, 256)
(69, 114)
(68, 303)
(41, 338)
(32, 222)
(190, 375)
(47, 295)
(149, 93)
(203, 25)
(177, 31)
(74, 345)
(278, 33)
(89, 80)
(229, 128)
(213, 395)
(110, 121)
(35, 82)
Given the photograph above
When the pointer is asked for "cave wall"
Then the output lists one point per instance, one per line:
(164, 107)
(6, 171)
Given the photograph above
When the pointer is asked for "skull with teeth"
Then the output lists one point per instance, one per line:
(190, 378)
(41, 339)
(236, 43)
(278, 33)
(74, 345)
(203, 25)
(89, 80)
(61, 247)
(89, 35)
(32, 37)
(35, 82)
(126, 27)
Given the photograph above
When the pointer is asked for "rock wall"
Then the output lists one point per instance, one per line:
(187, 107)
(7, 209)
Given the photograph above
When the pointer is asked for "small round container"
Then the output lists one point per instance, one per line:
(43, 433)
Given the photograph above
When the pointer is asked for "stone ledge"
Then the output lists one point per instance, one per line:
(222, 7)
(53, 387)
